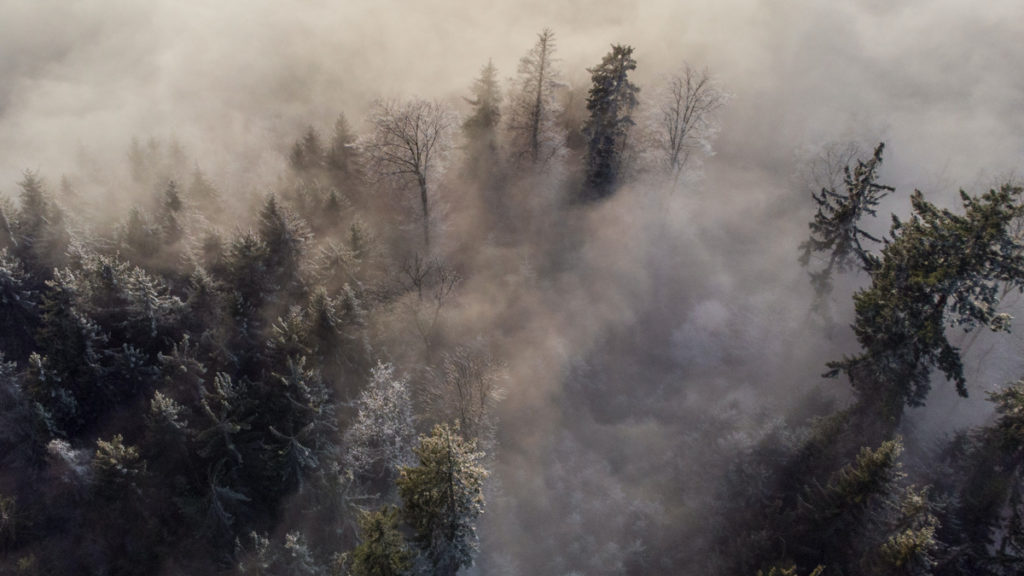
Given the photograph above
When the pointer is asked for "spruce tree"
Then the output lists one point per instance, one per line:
(442, 498)
(611, 101)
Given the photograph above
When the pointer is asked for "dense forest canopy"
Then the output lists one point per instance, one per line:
(366, 288)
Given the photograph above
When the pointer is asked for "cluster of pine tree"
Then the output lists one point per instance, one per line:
(186, 393)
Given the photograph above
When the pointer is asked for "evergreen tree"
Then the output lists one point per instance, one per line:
(383, 551)
(170, 214)
(308, 153)
(19, 314)
(284, 236)
(442, 498)
(41, 237)
(381, 437)
(611, 101)
(533, 109)
(940, 269)
(202, 192)
(836, 228)
(343, 158)
(481, 126)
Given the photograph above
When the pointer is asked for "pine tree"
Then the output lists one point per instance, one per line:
(284, 236)
(611, 101)
(382, 551)
(19, 316)
(202, 192)
(170, 214)
(308, 152)
(940, 269)
(533, 109)
(41, 236)
(442, 498)
(836, 229)
(380, 439)
(481, 126)
(343, 158)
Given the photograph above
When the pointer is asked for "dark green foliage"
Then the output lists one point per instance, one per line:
(836, 229)
(442, 498)
(19, 314)
(939, 270)
(383, 551)
(983, 481)
(611, 101)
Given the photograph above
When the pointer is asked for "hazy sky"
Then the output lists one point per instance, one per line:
(939, 80)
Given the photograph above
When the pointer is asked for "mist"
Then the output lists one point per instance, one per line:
(647, 342)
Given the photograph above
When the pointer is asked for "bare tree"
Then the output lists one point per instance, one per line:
(434, 284)
(409, 142)
(686, 117)
(825, 170)
(466, 388)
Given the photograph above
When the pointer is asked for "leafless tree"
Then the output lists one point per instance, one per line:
(827, 169)
(409, 143)
(466, 388)
(686, 120)
(434, 284)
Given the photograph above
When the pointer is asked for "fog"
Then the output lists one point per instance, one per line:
(671, 315)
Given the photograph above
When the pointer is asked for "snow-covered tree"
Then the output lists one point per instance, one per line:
(381, 438)
(534, 136)
(442, 498)
(685, 120)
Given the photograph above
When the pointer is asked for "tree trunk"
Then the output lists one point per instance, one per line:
(426, 210)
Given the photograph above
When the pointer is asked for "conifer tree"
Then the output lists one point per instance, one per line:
(381, 437)
(382, 551)
(481, 126)
(940, 269)
(343, 158)
(837, 230)
(611, 101)
(532, 111)
(442, 497)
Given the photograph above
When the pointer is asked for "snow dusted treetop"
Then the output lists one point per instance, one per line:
(534, 135)
(381, 438)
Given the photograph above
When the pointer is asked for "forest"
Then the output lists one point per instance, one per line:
(537, 323)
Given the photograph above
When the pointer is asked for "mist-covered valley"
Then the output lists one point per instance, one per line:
(521, 288)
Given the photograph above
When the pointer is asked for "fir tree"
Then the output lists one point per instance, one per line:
(611, 101)
(382, 551)
(532, 108)
(442, 498)
(940, 269)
